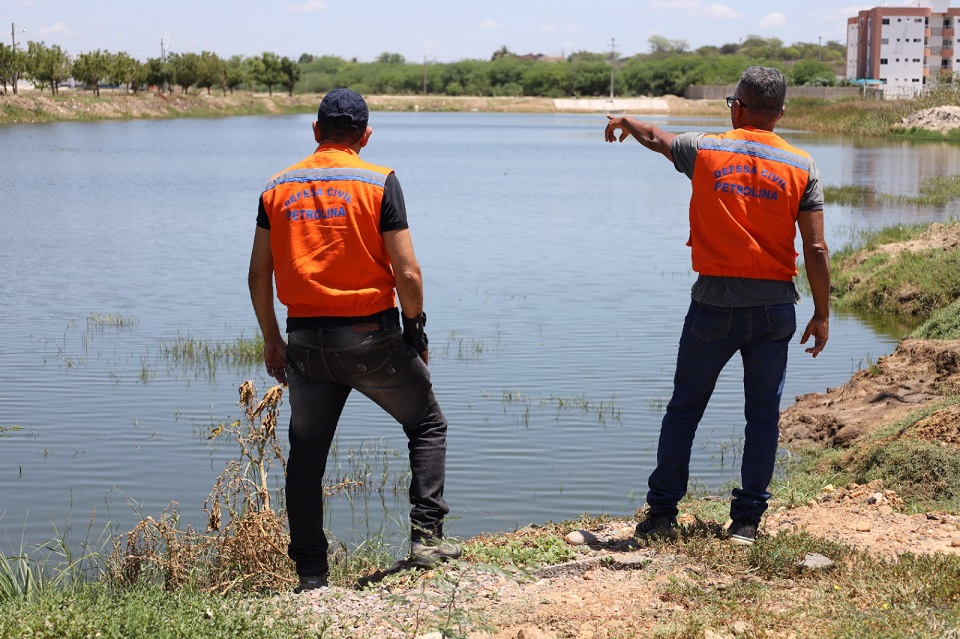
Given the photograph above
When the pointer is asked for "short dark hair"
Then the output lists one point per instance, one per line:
(763, 89)
(346, 137)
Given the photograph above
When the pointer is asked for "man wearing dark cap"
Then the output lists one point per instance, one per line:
(332, 231)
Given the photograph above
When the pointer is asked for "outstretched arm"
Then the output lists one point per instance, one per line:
(652, 137)
(816, 261)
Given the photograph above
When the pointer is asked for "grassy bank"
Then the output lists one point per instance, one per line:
(910, 270)
(860, 117)
(700, 582)
(867, 117)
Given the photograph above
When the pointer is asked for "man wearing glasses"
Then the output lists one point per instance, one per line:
(751, 191)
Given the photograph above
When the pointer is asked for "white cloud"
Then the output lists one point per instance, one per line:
(490, 24)
(773, 21)
(721, 11)
(840, 14)
(696, 8)
(59, 29)
(307, 7)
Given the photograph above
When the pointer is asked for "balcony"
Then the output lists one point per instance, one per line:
(948, 32)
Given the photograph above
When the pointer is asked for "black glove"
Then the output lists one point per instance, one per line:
(413, 332)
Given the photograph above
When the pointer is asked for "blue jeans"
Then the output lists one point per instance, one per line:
(323, 366)
(711, 335)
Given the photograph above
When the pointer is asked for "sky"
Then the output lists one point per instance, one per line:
(419, 30)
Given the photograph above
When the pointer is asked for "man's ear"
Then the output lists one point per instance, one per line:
(366, 137)
(316, 131)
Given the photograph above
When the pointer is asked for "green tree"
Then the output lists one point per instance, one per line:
(813, 73)
(92, 68)
(391, 58)
(186, 70)
(211, 72)
(551, 79)
(47, 66)
(502, 52)
(320, 74)
(157, 72)
(291, 74)
(589, 77)
(125, 69)
(267, 70)
(235, 73)
(11, 66)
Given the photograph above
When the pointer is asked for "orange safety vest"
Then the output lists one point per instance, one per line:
(747, 188)
(328, 253)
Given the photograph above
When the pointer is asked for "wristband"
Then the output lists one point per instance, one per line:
(413, 331)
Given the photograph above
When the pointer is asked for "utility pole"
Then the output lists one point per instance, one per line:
(424, 75)
(819, 47)
(613, 57)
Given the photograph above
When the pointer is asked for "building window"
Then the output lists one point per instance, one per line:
(916, 59)
(883, 60)
(885, 41)
(885, 21)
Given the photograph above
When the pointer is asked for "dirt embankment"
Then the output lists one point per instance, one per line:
(35, 106)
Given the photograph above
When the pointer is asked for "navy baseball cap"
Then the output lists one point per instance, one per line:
(343, 109)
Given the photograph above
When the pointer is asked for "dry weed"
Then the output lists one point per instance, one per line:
(246, 554)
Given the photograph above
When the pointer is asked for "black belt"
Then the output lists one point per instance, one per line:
(389, 318)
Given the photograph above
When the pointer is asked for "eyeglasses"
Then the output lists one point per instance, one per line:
(731, 100)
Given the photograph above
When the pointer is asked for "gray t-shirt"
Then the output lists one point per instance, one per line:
(740, 291)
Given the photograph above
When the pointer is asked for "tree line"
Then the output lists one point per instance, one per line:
(49, 67)
(668, 68)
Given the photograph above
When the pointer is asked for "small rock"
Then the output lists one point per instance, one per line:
(955, 543)
(740, 627)
(885, 510)
(813, 503)
(829, 488)
(581, 537)
(816, 561)
(863, 526)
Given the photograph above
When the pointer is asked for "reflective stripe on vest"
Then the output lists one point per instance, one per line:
(329, 256)
(747, 187)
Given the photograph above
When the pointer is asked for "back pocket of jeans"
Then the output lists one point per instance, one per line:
(377, 360)
(782, 320)
(712, 323)
(298, 358)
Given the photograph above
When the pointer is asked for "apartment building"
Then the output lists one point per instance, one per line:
(903, 50)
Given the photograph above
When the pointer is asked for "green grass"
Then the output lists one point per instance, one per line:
(866, 117)
(944, 323)
(101, 321)
(909, 283)
(95, 610)
(939, 190)
(207, 356)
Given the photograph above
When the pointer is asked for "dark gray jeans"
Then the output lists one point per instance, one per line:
(323, 366)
